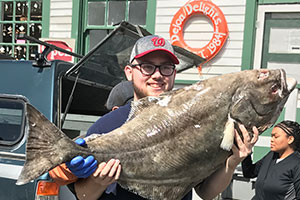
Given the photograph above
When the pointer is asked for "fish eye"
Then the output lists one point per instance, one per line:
(275, 88)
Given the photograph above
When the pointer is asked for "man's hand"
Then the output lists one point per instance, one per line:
(82, 167)
(220, 179)
(94, 186)
(244, 147)
(107, 173)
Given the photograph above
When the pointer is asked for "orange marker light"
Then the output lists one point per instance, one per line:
(46, 188)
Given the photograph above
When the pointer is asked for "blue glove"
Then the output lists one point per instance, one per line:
(82, 167)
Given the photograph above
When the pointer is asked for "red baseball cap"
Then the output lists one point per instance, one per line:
(152, 43)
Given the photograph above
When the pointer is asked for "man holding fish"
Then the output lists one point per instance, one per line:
(152, 72)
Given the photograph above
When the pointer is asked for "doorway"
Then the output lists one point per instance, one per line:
(277, 45)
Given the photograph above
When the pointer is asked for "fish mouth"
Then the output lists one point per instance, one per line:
(288, 84)
(291, 84)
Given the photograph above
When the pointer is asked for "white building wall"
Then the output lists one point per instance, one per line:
(198, 32)
(60, 19)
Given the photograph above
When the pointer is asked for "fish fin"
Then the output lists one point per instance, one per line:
(142, 104)
(159, 191)
(46, 147)
(228, 137)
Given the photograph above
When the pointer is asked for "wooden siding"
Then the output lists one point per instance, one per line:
(198, 32)
(60, 19)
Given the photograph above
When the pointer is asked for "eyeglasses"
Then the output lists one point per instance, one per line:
(148, 69)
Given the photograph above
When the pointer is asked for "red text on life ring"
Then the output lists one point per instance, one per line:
(206, 8)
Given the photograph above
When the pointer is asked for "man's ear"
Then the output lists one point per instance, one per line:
(128, 72)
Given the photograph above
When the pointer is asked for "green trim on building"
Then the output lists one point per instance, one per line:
(249, 35)
(76, 30)
(277, 1)
(185, 82)
(81, 29)
(75, 18)
(298, 115)
(151, 14)
(249, 29)
(269, 57)
(46, 19)
(259, 152)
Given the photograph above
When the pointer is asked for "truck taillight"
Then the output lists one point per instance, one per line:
(47, 190)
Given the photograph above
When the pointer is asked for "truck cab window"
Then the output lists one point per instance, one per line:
(11, 121)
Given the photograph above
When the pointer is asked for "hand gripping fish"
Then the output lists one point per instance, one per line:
(172, 142)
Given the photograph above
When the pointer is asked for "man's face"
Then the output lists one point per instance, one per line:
(150, 85)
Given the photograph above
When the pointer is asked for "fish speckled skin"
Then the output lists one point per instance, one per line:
(171, 142)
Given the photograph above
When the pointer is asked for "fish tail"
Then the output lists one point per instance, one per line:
(47, 146)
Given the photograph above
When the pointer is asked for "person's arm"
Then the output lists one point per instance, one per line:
(219, 180)
(248, 168)
(93, 187)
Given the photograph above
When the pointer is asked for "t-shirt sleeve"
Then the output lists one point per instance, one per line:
(110, 121)
(250, 169)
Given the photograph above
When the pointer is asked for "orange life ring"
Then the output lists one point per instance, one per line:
(213, 12)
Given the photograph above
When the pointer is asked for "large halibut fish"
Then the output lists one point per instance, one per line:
(172, 142)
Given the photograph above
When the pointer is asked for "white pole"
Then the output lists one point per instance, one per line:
(291, 106)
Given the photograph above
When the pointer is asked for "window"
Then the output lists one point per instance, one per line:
(100, 16)
(20, 17)
(11, 121)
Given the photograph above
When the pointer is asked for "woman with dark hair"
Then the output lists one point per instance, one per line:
(278, 173)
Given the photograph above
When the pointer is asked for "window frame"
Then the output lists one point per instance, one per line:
(22, 100)
(80, 27)
(44, 22)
